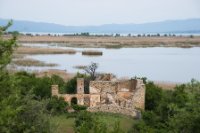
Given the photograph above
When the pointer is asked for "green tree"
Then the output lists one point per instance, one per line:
(175, 110)
(57, 80)
(20, 110)
(57, 105)
(153, 96)
(6, 46)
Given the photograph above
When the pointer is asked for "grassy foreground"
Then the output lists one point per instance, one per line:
(65, 125)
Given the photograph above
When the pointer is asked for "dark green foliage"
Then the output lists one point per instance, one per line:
(32, 117)
(171, 111)
(24, 102)
(56, 80)
(86, 122)
(23, 97)
(41, 87)
(70, 87)
(84, 117)
(153, 96)
(79, 107)
(57, 105)
(6, 46)
(180, 96)
(5, 84)
(22, 113)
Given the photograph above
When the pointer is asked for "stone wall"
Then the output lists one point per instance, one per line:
(94, 100)
(80, 86)
(127, 85)
(109, 96)
(139, 95)
(54, 90)
(115, 109)
(103, 86)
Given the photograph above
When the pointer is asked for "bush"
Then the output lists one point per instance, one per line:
(153, 96)
(57, 105)
(79, 107)
(56, 80)
(173, 110)
(40, 87)
(86, 122)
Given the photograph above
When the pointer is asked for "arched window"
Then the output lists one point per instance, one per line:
(73, 101)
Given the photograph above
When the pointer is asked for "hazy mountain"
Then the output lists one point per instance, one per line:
(171, 26)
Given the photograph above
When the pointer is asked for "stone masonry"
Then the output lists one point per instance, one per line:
(124, 97)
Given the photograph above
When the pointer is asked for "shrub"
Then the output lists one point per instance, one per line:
(153, 96)
(57, 105)
(173, 110)
(79, 107)
(56, 80)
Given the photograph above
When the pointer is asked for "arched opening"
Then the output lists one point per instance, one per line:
(73, 101)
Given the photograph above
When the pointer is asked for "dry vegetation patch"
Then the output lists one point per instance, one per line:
(166, 85)
(115, 42)
(31, 50)
(82, 67)
(18, 56)
(62, 73)
(32, 62)
(92, 53)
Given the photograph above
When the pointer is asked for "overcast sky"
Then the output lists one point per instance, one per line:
(97, 12)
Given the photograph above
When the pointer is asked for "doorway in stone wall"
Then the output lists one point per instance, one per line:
(74, 101)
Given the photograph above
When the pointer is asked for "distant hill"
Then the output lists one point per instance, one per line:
(171, 26)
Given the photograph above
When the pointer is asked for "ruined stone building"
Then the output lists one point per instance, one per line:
(118, 96)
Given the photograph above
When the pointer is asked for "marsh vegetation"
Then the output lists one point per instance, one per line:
(31, 50)
(32, 62)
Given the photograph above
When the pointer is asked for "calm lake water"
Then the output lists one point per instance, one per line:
(158, 64)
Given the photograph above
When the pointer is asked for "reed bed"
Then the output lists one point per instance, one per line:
(113, 42)
(92, 53)
(32, 62)
(18, 56)
(82, 67)
(31, 50)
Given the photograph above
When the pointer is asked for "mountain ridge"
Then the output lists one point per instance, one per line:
(168, 26)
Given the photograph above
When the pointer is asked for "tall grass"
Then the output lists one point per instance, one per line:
(32, 62)
(30, 50)
(92, 53)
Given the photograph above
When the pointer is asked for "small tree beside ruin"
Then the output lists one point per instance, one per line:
(91, 70)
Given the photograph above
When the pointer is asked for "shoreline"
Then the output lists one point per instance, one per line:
(66, 76)
(113, 42)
